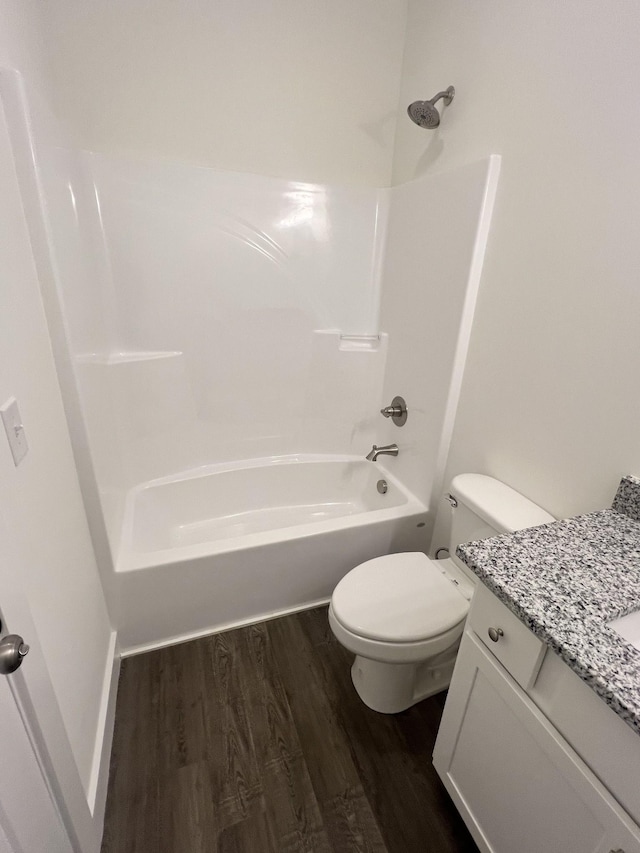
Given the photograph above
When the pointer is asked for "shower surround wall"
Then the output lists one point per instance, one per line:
(435, 245)
(240, 316)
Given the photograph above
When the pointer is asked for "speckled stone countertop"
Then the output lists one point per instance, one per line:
(568, 579)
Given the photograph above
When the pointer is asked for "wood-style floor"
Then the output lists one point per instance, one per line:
(254, 741)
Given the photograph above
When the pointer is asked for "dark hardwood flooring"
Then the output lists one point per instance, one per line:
(254, 741)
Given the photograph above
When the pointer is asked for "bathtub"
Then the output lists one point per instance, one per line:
(234, 543)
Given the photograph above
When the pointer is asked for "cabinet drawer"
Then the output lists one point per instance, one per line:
(517, 649)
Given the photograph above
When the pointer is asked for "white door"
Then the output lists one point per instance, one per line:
(41, 795)
(29, 818)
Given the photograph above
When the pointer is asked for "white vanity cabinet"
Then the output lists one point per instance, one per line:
(518, 784)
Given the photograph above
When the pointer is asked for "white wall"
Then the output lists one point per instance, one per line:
(41, 500)
(549, 400)
(295, 88)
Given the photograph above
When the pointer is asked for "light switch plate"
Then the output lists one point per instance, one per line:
(14, 429)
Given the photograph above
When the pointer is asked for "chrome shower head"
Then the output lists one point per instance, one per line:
(425, 114)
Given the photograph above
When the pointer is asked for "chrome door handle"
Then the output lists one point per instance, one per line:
(495, 634)
(12, 651)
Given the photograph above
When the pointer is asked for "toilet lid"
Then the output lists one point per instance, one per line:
(399, 598)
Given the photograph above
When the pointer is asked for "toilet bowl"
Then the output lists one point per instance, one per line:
(402, 616)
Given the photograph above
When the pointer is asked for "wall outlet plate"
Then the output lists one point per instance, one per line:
(14, 429)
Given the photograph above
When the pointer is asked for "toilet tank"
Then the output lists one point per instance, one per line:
(487, 507)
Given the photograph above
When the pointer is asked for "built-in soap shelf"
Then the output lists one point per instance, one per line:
(360, 343)
(126, 357)
(352, 343)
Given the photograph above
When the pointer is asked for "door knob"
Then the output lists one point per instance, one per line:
(12, 650)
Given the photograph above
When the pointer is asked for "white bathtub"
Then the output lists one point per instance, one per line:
(237, 542)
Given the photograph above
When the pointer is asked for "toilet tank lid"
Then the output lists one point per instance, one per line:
(497, 504)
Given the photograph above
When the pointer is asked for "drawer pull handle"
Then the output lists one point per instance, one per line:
(495, 634)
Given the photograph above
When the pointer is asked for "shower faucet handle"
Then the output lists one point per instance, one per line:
(391, 411)
(397, 411)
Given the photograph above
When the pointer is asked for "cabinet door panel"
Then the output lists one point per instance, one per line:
(514, 780)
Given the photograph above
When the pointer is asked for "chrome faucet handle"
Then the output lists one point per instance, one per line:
(397, 411)
(391, 411)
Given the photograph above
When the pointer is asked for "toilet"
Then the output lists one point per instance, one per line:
(402, 615)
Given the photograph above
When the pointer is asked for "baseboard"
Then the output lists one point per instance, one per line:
(99, 780)
(219, 629)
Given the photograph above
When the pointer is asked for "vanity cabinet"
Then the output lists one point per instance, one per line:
(518, 784)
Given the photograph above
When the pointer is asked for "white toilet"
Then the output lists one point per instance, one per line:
(402, 615)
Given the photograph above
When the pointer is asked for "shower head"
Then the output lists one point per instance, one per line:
(425, 114)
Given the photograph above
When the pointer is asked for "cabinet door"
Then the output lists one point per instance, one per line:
(515, 781)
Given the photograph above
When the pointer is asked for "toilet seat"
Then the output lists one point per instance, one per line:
(398, 599)
(396, 653)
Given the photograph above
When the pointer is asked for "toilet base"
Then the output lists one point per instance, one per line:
(393, 687)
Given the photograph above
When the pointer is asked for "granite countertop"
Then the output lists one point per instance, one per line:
(568, 579)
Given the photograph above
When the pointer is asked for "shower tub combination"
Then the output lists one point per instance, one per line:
(233, 543)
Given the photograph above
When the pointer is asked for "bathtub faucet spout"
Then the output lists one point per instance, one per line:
(384, 450)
